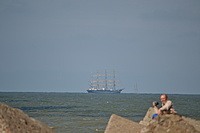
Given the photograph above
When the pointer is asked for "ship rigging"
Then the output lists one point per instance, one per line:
(104, 83)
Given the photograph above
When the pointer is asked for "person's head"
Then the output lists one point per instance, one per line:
(163, 98)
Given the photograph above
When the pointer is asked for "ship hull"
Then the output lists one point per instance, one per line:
(105, 91)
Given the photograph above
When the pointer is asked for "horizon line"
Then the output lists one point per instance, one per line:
(151, 93)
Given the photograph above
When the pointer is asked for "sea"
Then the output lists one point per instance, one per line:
(90, 113)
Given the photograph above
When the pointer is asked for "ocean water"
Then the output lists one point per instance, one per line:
(89, 113)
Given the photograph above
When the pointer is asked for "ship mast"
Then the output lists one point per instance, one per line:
(97, 79)
(114, 85)
(106, 81)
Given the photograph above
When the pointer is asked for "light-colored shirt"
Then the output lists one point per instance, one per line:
(168, 106)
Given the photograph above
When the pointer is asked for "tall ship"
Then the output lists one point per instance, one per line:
(104, 83)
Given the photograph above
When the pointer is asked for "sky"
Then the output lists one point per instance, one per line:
(56, 45)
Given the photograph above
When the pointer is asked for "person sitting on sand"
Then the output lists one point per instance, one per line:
(167, 106)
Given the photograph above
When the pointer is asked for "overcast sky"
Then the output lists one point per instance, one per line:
(55, 45)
